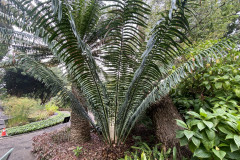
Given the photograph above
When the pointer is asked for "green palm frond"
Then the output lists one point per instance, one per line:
(163, 47)
(22, 42)
(122, 41)
(86, 15)
(170, 81)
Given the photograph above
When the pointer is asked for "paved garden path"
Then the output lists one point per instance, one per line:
(22, 144)
(2, 118)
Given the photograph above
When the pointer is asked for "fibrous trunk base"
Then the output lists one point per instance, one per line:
(80, 129)
(164, 115)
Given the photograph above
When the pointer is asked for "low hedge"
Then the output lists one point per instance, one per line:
(37, 125)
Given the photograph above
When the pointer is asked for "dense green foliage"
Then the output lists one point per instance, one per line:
(212, 18)
(51, 107)
(144, 152)
(37, 125)
(210, 100)
(25, 110)
(208, 19)
(218, 81)
(212, 134)
(18, 83)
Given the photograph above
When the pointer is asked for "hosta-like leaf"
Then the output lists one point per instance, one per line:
(237, 140)
(203, 112)
(237, 92)
(188, 134)
(224, 129)
(238, 126)
(218, 85)
(219, 154)
(211, 134)
(181, 124)
(196, 141)
(201, 126)
(179, 134)
(183, 141)
(234, 147)
(201, 153)
(208, 144)
(194, 114)
(208, 123)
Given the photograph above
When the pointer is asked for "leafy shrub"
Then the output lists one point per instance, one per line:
(15, 105)
(212, 135)
(19, 110)
(144, 152)
(211, 97)
(51, 107)
(18, 120)
(25, 110)
(39, 115)
(219, 79)
(37, 125)
(77, 151)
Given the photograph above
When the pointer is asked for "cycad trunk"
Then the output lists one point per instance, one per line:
(164, 115)
(80, 127)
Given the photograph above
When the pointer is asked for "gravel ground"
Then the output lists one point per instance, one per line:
(22, 144)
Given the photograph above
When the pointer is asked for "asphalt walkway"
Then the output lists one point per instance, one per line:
(22, 144)
(2, 118)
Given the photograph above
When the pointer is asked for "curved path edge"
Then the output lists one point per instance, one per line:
(22, 143)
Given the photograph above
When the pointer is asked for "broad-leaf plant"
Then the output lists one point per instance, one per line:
(210, 99)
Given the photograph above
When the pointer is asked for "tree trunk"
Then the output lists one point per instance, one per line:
(164, 115)
(80, 127)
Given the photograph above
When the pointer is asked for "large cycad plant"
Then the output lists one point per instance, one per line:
(137, 72)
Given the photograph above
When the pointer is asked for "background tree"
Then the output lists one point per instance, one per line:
(20, 85)
(211, 19)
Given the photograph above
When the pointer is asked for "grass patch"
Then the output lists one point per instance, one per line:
(25, 110)
(37, 125)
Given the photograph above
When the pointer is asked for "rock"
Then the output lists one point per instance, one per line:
(2, 122)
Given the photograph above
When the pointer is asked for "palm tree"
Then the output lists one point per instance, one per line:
(137, 73)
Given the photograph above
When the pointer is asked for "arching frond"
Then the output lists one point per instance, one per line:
(123, 41)
(165, 85)
(163, 47)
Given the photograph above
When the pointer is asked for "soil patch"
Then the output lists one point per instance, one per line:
(57, 145)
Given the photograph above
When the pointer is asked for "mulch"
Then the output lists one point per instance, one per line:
(95, 149)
